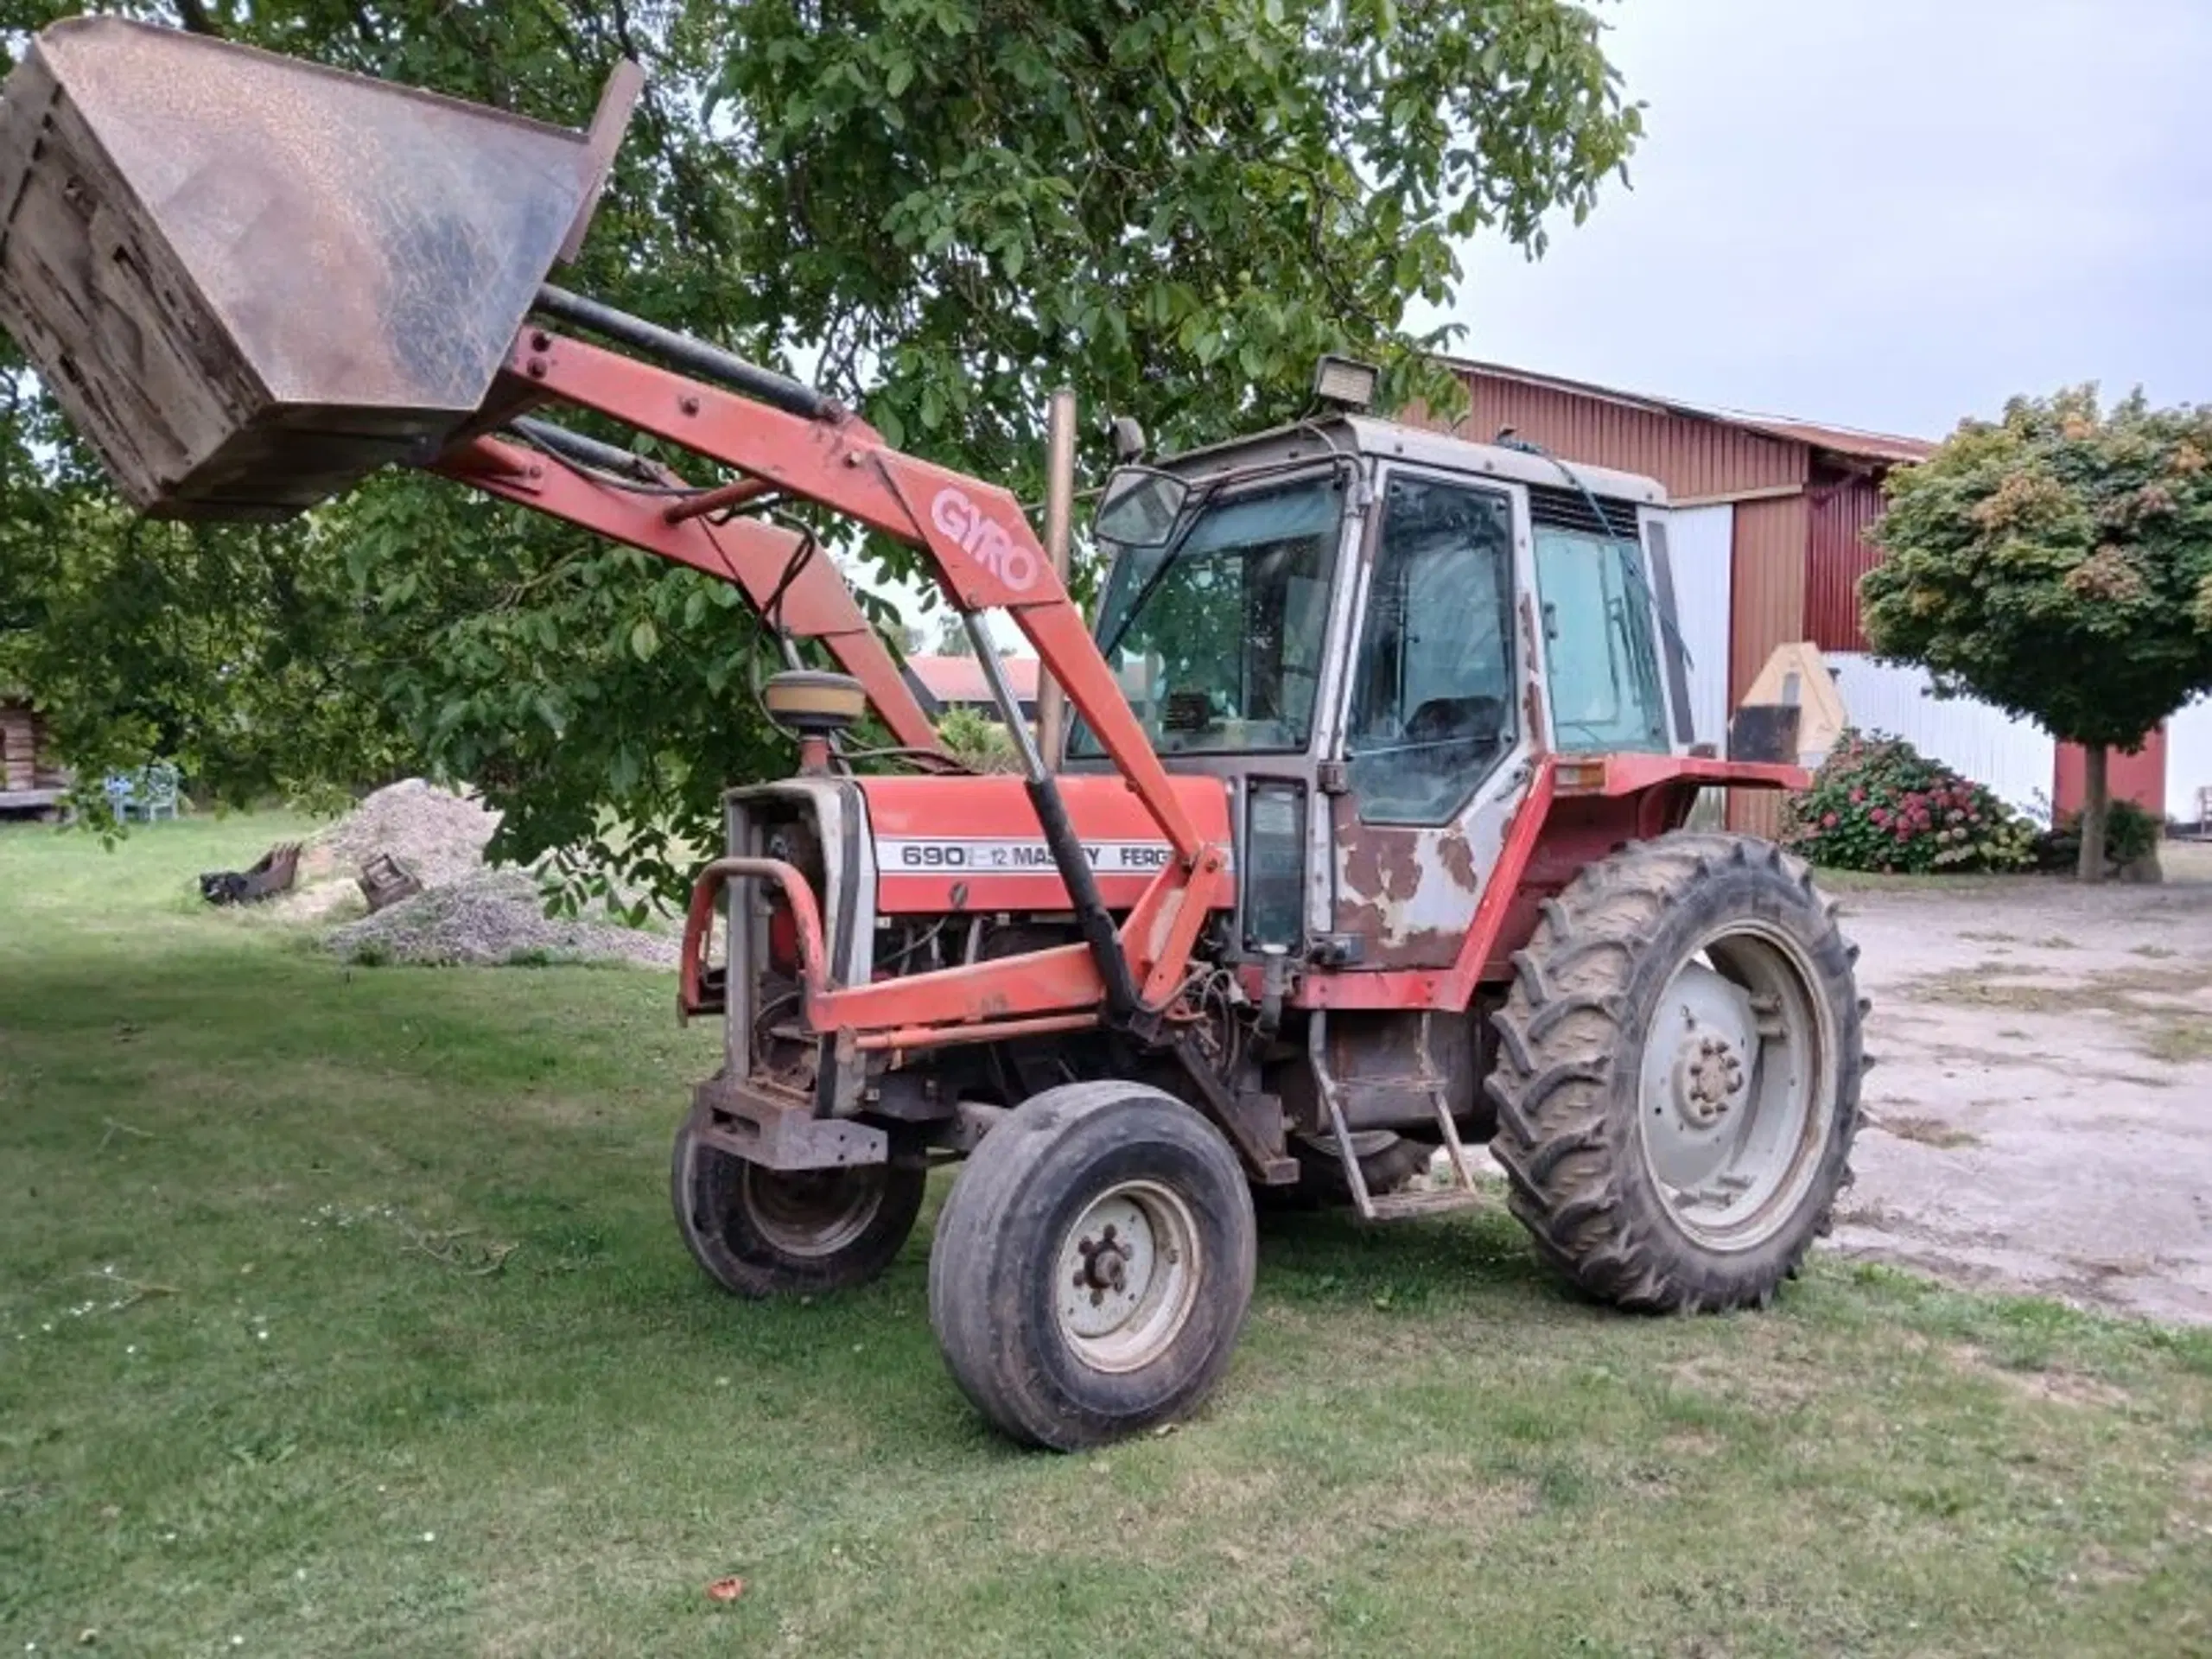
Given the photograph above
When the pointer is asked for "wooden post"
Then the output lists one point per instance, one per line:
(1059, 512)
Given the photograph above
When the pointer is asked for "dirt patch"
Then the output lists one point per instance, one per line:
(2043, 1116)
(2196, 1485)
(2052, 1388)
(1691, 1445)
(1765, 1382)
(2180, 1040)
(2140, 994)
(1929, 1131)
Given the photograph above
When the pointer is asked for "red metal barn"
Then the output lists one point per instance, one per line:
(1769, 543)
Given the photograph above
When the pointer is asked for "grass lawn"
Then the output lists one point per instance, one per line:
(342, 1314)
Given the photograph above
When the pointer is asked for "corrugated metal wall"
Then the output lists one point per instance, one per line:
(1767, 608)
(1838, 555)
(2141, 777)
(1767, 578)
(1692, 458)
(2188, 760)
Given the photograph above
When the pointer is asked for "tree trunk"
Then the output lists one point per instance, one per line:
(2095, 804)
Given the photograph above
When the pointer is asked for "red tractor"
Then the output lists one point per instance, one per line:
(1366, 845)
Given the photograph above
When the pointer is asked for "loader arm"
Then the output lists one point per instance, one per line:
(381, 299)
(983, 554)
(795, 589)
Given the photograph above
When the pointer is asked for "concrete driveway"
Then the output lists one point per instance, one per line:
(2040, 1115)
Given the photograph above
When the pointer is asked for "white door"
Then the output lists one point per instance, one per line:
(1700, 544)
(2188, 761)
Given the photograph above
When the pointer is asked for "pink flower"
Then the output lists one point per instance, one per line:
(1880, 815)
(1828, 821)
(1857, 795)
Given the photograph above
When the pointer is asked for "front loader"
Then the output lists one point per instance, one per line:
(1366, 846)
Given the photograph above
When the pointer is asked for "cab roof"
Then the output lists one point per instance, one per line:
(1382, 440)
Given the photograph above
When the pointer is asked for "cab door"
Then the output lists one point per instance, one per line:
(1432, 742)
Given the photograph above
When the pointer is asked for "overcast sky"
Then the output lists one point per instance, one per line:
(1886, 213)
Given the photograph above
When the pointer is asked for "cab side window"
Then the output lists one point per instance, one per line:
(1432, 705)
(1600, 655)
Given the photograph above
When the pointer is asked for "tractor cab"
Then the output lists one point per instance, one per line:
(1372, 632)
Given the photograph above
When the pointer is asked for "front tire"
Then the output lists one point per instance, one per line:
(762, 1232)
(1678, 1074)
(1093, 1265)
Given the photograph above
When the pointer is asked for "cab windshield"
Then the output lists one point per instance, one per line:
(1216, 638)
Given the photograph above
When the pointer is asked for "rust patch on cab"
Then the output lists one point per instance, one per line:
(1457, 855)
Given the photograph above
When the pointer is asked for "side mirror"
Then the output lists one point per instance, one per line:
(1140, 506)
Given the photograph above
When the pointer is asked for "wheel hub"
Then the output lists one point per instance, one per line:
(1127, 1276)
(814, 1212)
(1708, 1079)
(1105, 1263)
(1735, 1102)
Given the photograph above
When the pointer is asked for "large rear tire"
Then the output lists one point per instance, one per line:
(1678, 1074)
(1093, 1265)
(763, 1232)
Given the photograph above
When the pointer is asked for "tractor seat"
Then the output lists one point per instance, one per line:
(1441, 719)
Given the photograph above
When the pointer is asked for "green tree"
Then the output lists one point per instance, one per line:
(951, 639)
(2058, 563)
(938, 209)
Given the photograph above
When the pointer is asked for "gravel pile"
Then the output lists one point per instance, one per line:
(438, 834)
(488, 920)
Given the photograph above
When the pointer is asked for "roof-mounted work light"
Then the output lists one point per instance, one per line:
(1346, 383)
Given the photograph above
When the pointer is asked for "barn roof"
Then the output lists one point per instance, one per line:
(960, 679)
(1848, 443)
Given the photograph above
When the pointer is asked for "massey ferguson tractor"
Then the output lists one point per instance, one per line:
(1365, 846)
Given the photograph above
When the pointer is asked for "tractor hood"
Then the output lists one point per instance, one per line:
(974, 844)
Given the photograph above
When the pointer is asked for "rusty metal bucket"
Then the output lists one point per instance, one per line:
(250, 281)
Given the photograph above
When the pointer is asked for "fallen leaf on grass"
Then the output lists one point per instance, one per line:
(726, 1589)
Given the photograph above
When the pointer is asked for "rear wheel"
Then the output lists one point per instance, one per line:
(765, 1232)
(1093, 1265)
(1677, 1082)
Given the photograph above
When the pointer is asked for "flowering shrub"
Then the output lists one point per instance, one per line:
(1878, 803)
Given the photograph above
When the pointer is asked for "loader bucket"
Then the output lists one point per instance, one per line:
(250, 281)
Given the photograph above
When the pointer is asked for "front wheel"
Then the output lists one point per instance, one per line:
(1677, 1081)
(765, 1232)
(1093, 1265)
